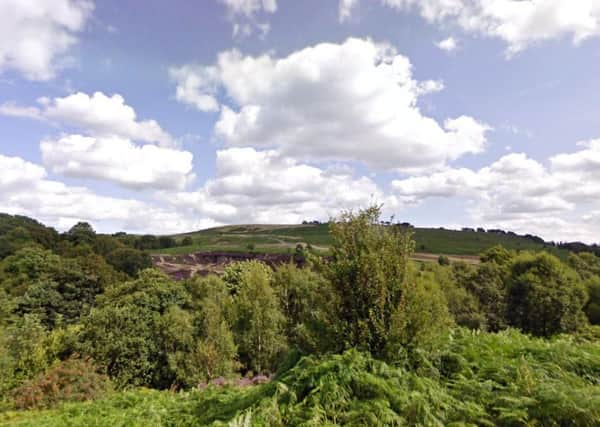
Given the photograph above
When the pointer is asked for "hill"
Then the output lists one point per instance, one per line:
(284, 238)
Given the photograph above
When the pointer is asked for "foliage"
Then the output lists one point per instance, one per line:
(420, 319)
(592, 308)
(198, 356)
(367, 269)
(124, 333)
(82, 293)
(71, 380)
(259, 322)
(443, 260)
(129, 260)
(234, 272)
(309, 304)
(80, 233)
(487, 379)
(24, 352)
(545, 297)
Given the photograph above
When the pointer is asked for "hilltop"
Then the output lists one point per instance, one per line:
(284, 239)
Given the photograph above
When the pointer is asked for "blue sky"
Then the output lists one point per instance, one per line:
(171, 116)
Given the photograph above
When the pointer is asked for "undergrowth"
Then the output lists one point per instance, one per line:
(506, 379)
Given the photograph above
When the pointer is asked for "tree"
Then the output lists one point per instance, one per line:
(24, 351)
(443, 260)
(545, 297)
(67, 289)
(233, 273)
(125, 333)
(488, 285)
(26, 266)
(309, 304)
(367, 269)
(82, 232)
(586, 264)
(420, 319)
(259, 322)
(187, 241)
(497, 254)
(129, 260)
(166, 242)
(146, 242)
(201, 347)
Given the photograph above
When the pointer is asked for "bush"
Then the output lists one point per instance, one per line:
(71, 380)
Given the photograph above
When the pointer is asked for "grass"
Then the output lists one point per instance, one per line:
(472, 378)
(284, 238)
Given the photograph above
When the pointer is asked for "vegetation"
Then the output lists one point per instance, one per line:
(284, 238)
(364, 336)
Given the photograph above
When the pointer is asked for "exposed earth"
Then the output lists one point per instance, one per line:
(184, 266)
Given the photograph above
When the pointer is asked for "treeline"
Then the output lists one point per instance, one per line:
(74, 327)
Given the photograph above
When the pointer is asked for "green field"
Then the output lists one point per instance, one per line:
(284, 238)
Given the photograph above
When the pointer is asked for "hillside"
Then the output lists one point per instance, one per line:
(284, 238)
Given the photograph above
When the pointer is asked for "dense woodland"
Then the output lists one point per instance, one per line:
(362, 337)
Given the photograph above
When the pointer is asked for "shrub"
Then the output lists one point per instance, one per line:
(71, 380)
(443, 260)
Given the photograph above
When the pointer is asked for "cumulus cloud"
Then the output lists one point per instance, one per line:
(118, 160)
(521, 194)
(36, 36)
(196, 86)
(519, 23)
(514, 184)
(245, 15)
(354, 101)
(115, 146)
(265, 187)
(26, 190)
(98, 115)
(450, 44)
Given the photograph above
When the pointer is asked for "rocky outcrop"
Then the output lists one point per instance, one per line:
(202, 263)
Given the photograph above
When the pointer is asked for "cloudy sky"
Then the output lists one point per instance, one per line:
(171, 116)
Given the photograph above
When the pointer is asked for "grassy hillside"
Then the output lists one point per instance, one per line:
(284, 238)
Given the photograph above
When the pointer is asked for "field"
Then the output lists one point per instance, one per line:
(284, 238)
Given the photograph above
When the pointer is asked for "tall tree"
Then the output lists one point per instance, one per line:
(367, 269)
(259, 322)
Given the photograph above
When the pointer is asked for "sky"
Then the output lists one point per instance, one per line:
(166, 117)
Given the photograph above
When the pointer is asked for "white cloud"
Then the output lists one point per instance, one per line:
(585, 162)
(118, 160)
(355, 101)
(104, 116)
(11, 109)
(521, 194)
(450, 44)
(244, 15)
(25, 190)
(346, 8)
(98, 115)
(107, 150)
(265, 187)
(519, 23)
(196, 86)
(35, 36)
